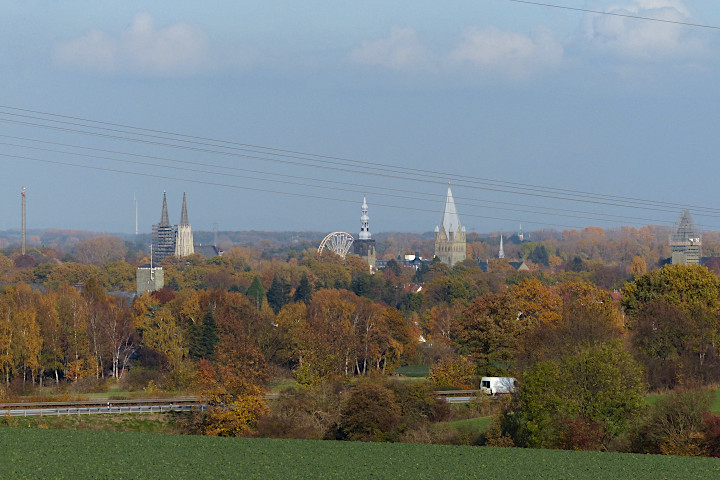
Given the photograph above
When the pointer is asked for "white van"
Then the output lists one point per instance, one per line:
(498, 385)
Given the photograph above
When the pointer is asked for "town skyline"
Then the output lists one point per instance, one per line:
(504, 93)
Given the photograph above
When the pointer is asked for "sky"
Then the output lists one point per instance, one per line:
(280, 115)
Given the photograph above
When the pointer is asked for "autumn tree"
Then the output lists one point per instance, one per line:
(233, 383)
(599, 390)
(674, 315)
(488, 331)
(159, 331)
(72, 314)
(100, 250)
(687, 286)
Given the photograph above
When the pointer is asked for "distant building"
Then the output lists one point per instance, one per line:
(685, 241)
(408, 260)
(520, 266)
(207, 251)
(450, 246)
(149, 279)
(169, 240)
(364, 246)
(501, 253)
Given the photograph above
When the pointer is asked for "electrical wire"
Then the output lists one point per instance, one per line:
(301, 159)
(594, 215)
(325, 159)
(264, 190)
(615, 14)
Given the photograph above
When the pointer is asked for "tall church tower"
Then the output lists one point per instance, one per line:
(364, 246)
(163, 236)
(450, 246)
(184, 242)
(501, 253)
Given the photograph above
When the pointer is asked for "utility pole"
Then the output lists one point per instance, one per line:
(23, 220)
(136, 214)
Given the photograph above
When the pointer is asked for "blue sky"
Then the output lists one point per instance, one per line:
(494, 89)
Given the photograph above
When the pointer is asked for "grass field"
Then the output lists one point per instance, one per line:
(478, 423)
(413, 370)
(714, 406)
(40, 453)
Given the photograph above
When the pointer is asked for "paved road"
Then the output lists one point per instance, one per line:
(458, 399)
(32, 412)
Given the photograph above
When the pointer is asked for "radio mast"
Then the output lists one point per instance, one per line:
(136, 214)
(23, 220)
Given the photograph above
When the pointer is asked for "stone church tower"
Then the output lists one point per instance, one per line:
(450, 244)
(184, 242)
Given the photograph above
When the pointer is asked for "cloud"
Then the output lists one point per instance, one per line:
(140, 49)
(402, 50)
(508, 53)
(643, 39)
(489, 50)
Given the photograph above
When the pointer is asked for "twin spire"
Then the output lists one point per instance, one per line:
(170, 239)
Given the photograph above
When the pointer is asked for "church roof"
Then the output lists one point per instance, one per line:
(450, 220)
(164, 218)
(184, 216)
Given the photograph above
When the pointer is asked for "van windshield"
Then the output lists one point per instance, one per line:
(485, 383)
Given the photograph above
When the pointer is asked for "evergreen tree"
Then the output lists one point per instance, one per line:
(194, 336)
(209, 335)
(303, 293)
(277, 295)
(256, 292)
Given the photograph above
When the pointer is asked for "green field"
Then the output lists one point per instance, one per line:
(478, 423)
(40, 453)
(714, 406)
(413, 371)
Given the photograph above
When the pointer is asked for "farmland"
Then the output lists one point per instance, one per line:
(41, 453)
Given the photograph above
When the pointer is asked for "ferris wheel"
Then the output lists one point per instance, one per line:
(338, 242)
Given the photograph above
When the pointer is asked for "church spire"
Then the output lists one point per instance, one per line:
(501, 253)
(364, 221)
(451, 219)
(164, 218)
(184, 237)
(184, 216)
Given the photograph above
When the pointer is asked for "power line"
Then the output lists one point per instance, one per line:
(264, 190)
(343, 167)
(404, 177)
(296, 155)
(615, 14)
(297, 177)
(331, 184)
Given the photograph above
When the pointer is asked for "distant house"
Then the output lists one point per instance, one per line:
(410, 260)
(519, 266)
(207, 251)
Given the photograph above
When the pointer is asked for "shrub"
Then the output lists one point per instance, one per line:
(370, 413)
